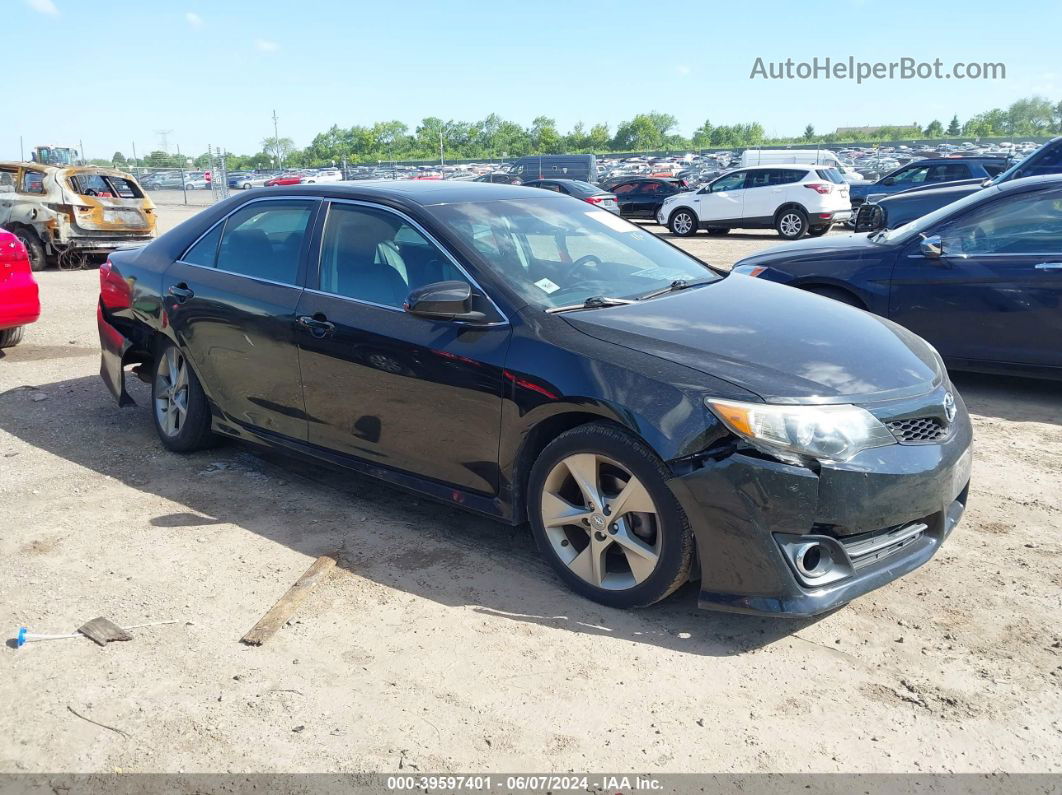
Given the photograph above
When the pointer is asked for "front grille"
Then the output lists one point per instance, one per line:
(871, 547)
(869, 218)
(918, 429)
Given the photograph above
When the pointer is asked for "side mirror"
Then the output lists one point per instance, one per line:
(705, 189)
(932, 247)
(889, 181)
(444, 301)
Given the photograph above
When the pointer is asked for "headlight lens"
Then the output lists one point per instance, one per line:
(826, 433)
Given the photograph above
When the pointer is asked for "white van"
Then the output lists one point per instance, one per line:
(772, 157)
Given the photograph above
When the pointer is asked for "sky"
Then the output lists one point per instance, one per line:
(115, 73)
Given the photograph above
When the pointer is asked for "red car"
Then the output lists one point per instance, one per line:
(286, 179)
(19, 304)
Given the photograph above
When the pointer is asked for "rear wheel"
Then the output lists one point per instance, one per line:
(34, 248)
(792, 223)
(605, 519)
(682, 223)
(10, 337)
(181, 412)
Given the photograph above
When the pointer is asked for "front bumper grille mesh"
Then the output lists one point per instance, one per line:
(918, 429)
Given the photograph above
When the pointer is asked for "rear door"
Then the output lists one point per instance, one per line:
(231, 302)
(996, 293)
(765, 191)
(386, 386)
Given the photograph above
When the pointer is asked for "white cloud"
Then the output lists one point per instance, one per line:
(193, 19)
(265, 45)
(682, 70)
(43, 7)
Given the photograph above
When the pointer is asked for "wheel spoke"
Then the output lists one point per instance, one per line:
(557, 511)
(583, 468)
(634, 497)
(181, 381)
(589, 564)
(640, 556)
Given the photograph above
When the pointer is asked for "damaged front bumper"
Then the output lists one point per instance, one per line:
(782, 539)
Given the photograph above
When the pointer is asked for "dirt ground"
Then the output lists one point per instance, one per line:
(443, 642)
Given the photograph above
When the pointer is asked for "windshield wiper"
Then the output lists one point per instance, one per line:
(593, 302)
(675, 286)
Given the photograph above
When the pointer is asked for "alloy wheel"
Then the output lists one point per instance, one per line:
(601, 521)
(682, 224)
(790, 224)
(171, 392)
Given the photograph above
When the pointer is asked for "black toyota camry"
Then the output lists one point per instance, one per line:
(529, 357)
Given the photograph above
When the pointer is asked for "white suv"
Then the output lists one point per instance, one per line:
(795, 200)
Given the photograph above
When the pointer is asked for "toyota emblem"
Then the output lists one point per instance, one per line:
(949, 406)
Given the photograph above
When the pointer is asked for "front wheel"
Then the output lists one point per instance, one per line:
(605, 519)
(792, 224)
(181, 411)
(682, 223)
(10, 337)
(34, 248)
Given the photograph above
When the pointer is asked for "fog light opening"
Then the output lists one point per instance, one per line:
(813, 560)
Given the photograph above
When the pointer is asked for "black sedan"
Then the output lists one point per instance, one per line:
(520, 354)
(578, 189)
(642, 197)
(981, 278)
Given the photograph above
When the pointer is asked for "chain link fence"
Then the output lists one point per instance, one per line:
(197, 187)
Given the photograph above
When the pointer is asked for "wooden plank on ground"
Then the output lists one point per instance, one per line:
(279, 613)
(103, 631)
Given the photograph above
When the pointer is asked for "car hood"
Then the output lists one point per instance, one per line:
(946, 194)
(783, 344)
(854, 241)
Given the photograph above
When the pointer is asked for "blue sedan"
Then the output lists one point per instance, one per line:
(980, 279)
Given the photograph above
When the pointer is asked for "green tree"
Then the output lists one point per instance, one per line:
(934, 129)
(954, 128)
(702, 136)
(544, 136)
(118, 159)
(809, 133)
(278, 148)
(598, 138)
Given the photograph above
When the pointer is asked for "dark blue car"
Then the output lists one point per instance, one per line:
(931, 171)
(980, 279)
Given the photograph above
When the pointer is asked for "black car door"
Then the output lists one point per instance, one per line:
(230, 300)
(628, 196)
(386, 386)
(995, 293)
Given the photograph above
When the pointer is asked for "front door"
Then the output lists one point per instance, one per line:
(231, 302)
(722, 200)
(996, 293)
(394, 389)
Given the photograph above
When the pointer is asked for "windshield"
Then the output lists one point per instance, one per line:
(927, 221)
(559, 251)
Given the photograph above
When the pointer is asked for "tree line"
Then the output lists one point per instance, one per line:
(495, 138)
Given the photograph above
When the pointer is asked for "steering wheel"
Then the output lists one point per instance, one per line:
(585, 261)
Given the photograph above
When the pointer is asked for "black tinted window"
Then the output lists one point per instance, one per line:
(1024, 224)
(376, 256)
(264, 240)
(205, 252)
(1049, 163)
(831, 174)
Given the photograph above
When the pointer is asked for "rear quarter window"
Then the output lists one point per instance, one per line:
(830, 174)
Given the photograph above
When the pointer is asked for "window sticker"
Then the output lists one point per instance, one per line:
(546, 286)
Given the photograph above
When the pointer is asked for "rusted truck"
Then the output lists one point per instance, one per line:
(73, 215)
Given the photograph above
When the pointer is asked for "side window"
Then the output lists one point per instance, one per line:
(654, 187)
(760, 178)
(949, 172)
(205, 252)
(735, 181)
(553, 186)
(626, 187)
(911, 176)
(7, 181)
(1049, 162)
(375, 256)
(32, 182)
(264, 240)
(992, 169)
(1030, 224)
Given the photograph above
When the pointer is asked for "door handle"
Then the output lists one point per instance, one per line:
(180, 292)
(1049, 266)
(316, 325)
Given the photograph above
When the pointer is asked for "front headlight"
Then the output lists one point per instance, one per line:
(826, 433)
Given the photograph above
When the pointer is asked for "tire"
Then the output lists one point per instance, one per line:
(791, 223)
(34, 247)
(180, 432)
(642, 556)
(245, 186)
(837, 294)
(818, 231)
(719, 230)
(683, 223)
(10, 337)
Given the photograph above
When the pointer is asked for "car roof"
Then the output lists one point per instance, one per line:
(802, 166)
(422, 192)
